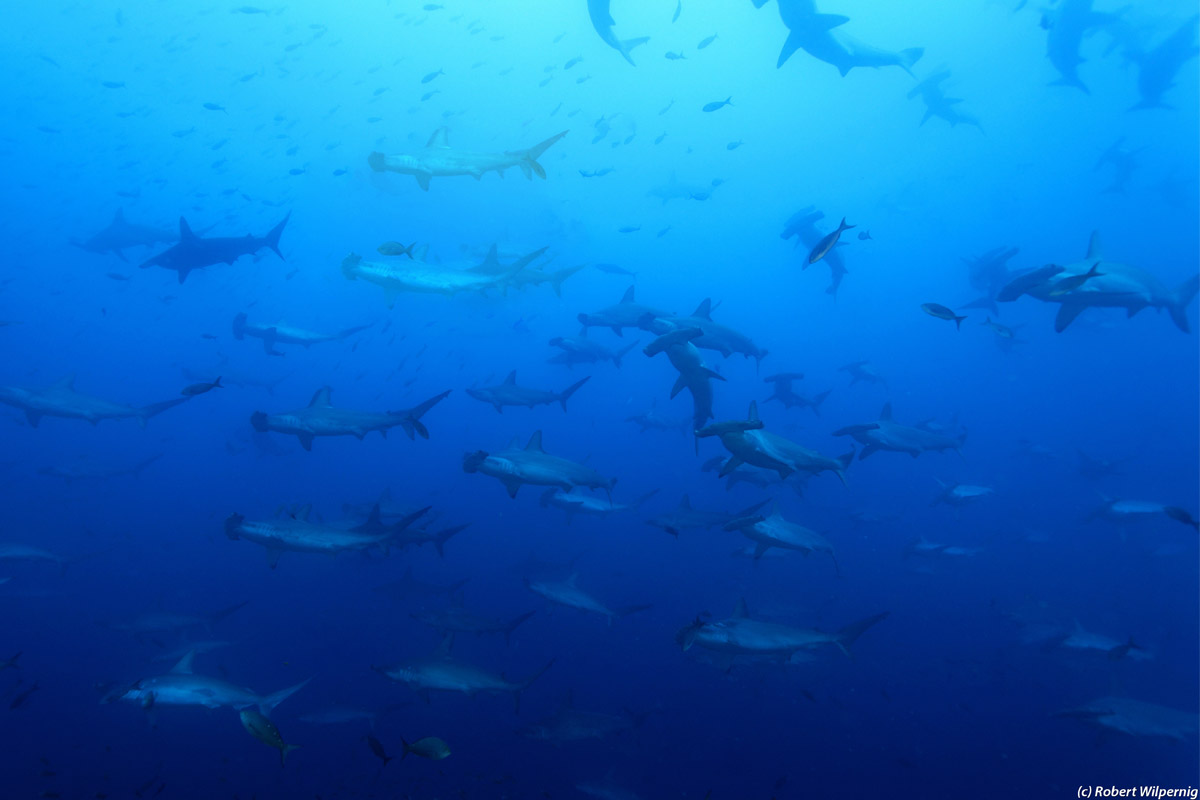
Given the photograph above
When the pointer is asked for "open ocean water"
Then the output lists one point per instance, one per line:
(773, 506)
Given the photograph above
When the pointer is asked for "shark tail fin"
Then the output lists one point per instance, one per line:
(570, 390)
(439, 542)
(525, 684)
(629, 44)
(283, 754)
(271, 240)
(515, 623)
(1183, 295)
(557, 278)
(529, 158)
(910, 56)
(958, 321)
(624, 351)
(848, 635)
(217, 616)
(154, 409)
(267, 704)
(412, 417)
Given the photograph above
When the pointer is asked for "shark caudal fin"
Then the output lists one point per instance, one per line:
(849, 634)
(557, 278)
(1180, 299)
(570, 390)
(154, 409)
(271, 240)
(909, 56)
(529, 158)
(412, 417)
(267, 704)
(443, 536)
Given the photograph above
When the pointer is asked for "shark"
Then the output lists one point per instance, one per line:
(887, 434)
(937, 104)
(785, 394)
(440, 671)
(1109, 284)
(686, 518)
(603, 22)
(438, 160)
(741, 635)
(652, 420)
(457, 619)
(567, 593)
(626, 314)
(961, 494)
(802, 225)
(320, 418)
(1158, 67)
(1066, 25)
(1135, 718)
(509, 393)
(747, 443)
(679, 345)
(282, 333)
(1123, 511)
(816, 34)
(300, 534)
(515, 467)
(675, 189)
(862, 371)
(775, 531)
(418, 275)
(60, 399)
(571, 724)
(583, 350)
(195, 252)
(154, 623)
(535, 275)
(575, 503)
(182, 687)
(410, 587)
(121, 235)
(713, 335)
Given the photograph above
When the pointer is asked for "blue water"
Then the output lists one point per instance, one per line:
(958, 692)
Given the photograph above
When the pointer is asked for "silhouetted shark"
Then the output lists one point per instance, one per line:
(121, 235)
(194, 252)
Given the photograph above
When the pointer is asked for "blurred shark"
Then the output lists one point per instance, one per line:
(740, 635)
(509, 393)
(418, 275)
(282, 333)
(61, 400)
(684, 517)
(299, 534)
(814, 33)
(747, 443)
(1135, 718)
(1157, 68)
(567, 593)
(438, 160)
(887, 434)
(120, 235)
(320, 418)
(532, 465)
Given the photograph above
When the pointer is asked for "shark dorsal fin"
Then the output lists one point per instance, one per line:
(304, 511)
(492, 259)
(374, 521)
(511, 380)
(739, 609)
(1094, 251)
(704, 310)
(184, 665)
(514, 443)
(628, 296)
(535, 443)
(686, 502)
(185, 231)
(321, 398)
(440, 138)
(65, 382)
(752, 415)
(444, 647)
(886, 412)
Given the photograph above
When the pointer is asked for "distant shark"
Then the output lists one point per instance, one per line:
(299, 534)
(1158, 67)
(603, 22)
(320, 418)
(418, 275)
(121, 235)
(887, 434)
(803, 226)
(814, 33)
(61, 400)
(1097, 283)
(510, 394)
(516, 467)
(281, 333)
(748, 443)
(194, 252)
(1135, 718)
(438, 160)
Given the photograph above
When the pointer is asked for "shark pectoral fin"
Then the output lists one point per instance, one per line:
(868, 450)
(1067, 313)
(306, 440)
(759, 549)
(273, 555)
(789, 47)
(33, 417)
(512, 486)
(423, 180)
(680, 385)
(182, 274)
(729, 466)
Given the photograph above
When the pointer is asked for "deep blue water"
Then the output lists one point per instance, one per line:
(958, 692)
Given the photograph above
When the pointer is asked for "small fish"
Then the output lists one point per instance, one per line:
(673, 56)
(827, 243)
(377, 748)
(629, 229)
(1003, 331)
(214, 107)
(20, 699)
(113, 84)
(261, 728)
(432, 6)
(201, 388)
(666, 108)
(572, 62)
(428, 95)
(296, 171)
(734, 145)
(663, 232)
(208, 336)
(864, 236)
(941, 312)
(432, 75)
(340, 171)
(658, 139)
(717, 104)
(582, 79)
(1073, 282)
(706, 41)
(429, 747)
(395, 249)
(116, 276)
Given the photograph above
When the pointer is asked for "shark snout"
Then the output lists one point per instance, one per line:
(473, 461)
(259, 420)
